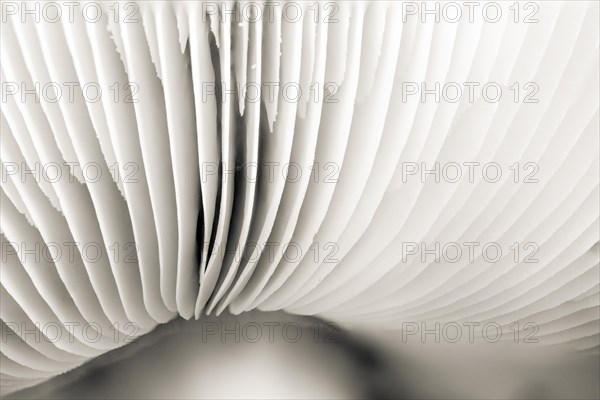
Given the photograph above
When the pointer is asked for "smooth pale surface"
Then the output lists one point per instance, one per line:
(183, 360)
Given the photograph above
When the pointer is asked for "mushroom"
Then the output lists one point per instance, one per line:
(359, 162)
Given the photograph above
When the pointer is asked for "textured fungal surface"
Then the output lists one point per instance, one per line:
(360, 162)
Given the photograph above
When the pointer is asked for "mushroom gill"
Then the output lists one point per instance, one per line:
(356, 161)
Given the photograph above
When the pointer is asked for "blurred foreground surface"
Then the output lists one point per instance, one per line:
(274, 355)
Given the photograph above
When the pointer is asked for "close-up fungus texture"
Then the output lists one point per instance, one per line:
(300, 199)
